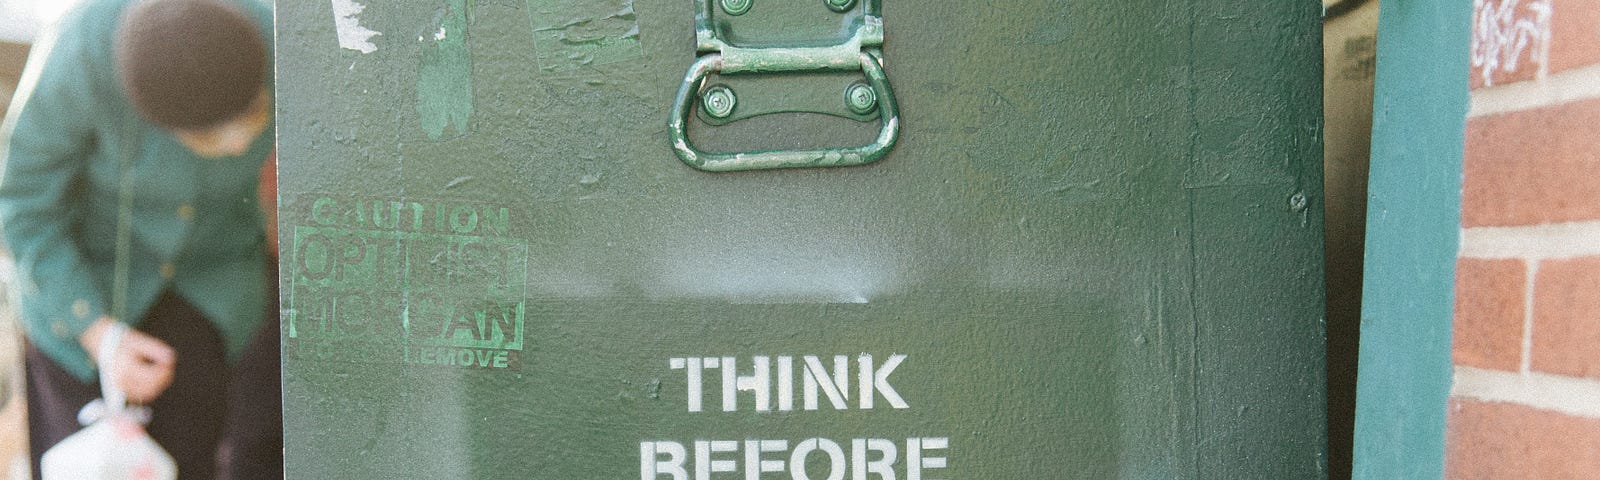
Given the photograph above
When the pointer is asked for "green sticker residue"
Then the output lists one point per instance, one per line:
(572, 34)
(444, 79)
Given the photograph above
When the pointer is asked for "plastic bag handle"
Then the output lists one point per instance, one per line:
(106, 357)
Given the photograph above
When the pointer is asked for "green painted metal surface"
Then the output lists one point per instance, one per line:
(1094, 251)
(1413, 222)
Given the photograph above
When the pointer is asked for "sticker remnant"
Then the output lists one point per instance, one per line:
(347, 23)
(396, 280)
(444, 75)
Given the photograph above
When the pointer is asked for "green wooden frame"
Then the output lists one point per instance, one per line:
(1413, 224)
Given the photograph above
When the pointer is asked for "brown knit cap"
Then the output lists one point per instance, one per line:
(189, 64)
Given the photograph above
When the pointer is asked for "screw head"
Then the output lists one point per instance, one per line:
(719, 101)
(1298, 202)
(737, 7)
(840, 5)
(861, 98)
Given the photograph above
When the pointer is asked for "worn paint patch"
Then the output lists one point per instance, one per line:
(392, 280)
(347, 23)
(572, 34)
(444, 78)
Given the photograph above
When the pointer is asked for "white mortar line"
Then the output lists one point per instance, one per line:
(1569, 395)
(1576, 84)
(1555, 240)
(1532, 272)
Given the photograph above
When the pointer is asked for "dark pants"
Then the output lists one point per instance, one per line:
(216, 421)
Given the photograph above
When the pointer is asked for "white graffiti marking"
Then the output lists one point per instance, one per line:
(1504, 29)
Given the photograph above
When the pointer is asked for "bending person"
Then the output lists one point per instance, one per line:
(128, 199)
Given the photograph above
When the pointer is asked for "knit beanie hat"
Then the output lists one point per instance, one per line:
(189, 64)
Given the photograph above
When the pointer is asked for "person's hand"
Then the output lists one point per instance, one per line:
(145, 364)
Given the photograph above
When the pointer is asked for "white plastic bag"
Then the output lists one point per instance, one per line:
(113, 444)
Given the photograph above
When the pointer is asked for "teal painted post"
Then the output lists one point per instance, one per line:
(1413, 223)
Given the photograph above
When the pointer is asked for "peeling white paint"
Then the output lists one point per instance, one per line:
(437, 36)
(351, 34)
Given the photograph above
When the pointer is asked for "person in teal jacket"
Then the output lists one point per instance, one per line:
(131, 159)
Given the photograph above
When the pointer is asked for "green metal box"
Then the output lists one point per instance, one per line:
(824, 239)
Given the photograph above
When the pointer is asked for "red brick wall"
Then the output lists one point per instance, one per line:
(1490, 313)
(1502, 440)
(1526, 398)
(1533, 166)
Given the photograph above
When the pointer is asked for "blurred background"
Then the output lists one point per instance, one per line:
(20, 23)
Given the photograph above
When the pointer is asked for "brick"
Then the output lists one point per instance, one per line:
(1508, 33)
(1503, 46)
(1489, 314)
(1487, 440)
(1575, 34)
(1566, 317)
(1532, 167)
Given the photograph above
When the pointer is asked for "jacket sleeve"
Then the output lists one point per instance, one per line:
(45, 145)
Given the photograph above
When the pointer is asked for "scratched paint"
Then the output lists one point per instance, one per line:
(572, 34)
(444, 78)
(347, 23)
(1504, 30)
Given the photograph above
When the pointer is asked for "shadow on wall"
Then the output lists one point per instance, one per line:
(1349, 61)
(12, 56)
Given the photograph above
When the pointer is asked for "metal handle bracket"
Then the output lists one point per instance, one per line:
(677, 128)
(859, 52)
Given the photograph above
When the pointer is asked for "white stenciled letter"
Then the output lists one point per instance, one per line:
(693, 365)
(797, 459)
(837, 389)
(651, 466)
(916, 460)
(754, 466)
(884, 466)
(785, 383)
(704, 465)
(878, 381)
(759, 383)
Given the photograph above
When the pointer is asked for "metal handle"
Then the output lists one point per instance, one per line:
(677, 127)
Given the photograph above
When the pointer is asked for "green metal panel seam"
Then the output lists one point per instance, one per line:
(1413, 224)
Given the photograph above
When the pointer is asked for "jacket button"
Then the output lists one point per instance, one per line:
(168, 270)
(80, 308)
(60, 329)
(186, 212)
